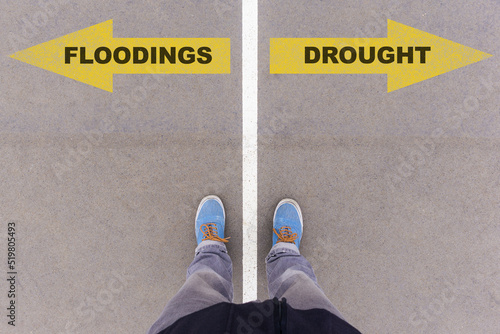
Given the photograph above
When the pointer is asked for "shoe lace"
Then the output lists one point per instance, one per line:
(286, 235)
(209, 231)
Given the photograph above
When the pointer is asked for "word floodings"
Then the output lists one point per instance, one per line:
(139, 55)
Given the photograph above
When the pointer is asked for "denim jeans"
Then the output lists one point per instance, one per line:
(209, 282)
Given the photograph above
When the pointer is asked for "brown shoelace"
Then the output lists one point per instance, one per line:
(209, 231)
(286, 235)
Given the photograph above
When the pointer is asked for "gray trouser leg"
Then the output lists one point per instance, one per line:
(290, 275)
(208, 282)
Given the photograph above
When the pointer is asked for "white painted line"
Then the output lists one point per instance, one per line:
(249, 97)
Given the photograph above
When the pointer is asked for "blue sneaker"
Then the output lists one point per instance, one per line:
(210, 220)
(287, 222)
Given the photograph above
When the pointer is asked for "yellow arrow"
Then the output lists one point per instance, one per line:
(407, 55)
(92, 55)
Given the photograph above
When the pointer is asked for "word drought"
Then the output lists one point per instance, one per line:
(92, 55)
(349, 55)
(407, 55)
(139, 55)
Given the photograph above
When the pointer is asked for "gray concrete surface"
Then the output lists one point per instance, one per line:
(401, 226)
(104, 186)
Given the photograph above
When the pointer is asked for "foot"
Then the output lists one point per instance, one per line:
(210, 220)
(287, 222)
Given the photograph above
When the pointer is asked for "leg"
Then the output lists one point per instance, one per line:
(290, 275)
(209, 277)
(208, 282)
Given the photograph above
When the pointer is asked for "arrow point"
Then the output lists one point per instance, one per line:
(19, 55)
(444, 56)
(484, 55)
(50, 55)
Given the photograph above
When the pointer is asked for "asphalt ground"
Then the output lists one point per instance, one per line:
(399, 191)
